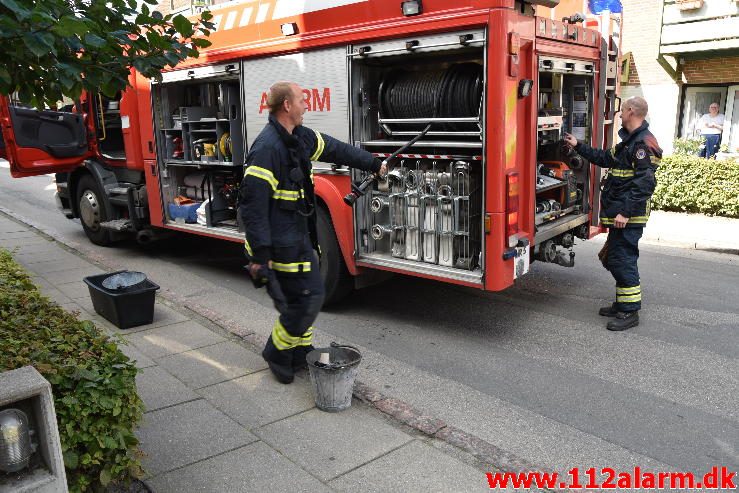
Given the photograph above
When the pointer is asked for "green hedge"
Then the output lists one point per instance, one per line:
(693, 184)
(93, 382)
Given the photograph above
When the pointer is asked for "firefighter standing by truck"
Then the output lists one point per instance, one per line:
(625, 198)
(278, 209)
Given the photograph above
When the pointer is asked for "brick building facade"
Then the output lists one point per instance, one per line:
(681, 56)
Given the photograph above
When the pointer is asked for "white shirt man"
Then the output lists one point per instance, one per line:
(711, 125)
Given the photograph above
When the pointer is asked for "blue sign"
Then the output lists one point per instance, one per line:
(599, 6)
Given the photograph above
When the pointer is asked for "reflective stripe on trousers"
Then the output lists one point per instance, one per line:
(623, 254)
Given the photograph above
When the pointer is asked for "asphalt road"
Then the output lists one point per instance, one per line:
(532, 370)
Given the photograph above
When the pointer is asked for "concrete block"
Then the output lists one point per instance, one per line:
(72, 275)
(63, 261)
(159, 389)
(187, 433)
(258, 399)
(213, 364)
(245, 470)
(12, 227)
(141, 360)
(415, 467)
(75, 290)
(173, 339)
(330, 444)
(28, 391)
(21, 243)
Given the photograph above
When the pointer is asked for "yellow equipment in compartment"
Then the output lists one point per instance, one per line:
(224, 145)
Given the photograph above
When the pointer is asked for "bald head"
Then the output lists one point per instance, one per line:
(280, 92)
(638, 105)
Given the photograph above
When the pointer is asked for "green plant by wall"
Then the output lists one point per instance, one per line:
(687, 147)
(693, 184)
(93, 382)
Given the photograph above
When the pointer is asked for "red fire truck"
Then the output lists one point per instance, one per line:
(485, 88)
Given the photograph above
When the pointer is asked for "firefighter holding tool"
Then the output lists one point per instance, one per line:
(277, 205)
(625, 197)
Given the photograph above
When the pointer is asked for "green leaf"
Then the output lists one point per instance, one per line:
(94, 40)
(71, 459)
(105, 477)
(183, 25)
(20, 12)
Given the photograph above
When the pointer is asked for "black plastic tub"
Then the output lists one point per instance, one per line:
(126, 307)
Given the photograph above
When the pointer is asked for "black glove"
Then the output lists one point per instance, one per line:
(266, 277)
(376, 165)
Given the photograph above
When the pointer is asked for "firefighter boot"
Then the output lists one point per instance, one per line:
(280, 362)
(608, 311)
(299, 355)
(623, 321)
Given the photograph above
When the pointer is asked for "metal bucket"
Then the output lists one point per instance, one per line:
(333, 383)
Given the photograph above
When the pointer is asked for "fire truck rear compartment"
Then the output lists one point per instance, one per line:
(562, 176)
(199, 140)
(427, 216)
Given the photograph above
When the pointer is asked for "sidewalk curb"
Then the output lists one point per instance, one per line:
(488, 454)
(690, 245)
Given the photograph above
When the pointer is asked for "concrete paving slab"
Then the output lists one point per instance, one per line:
(259, 399)
(11, 227)
(180, 435)
(39, 253)
(141, 360)
(17, 234)
(55, 295)
(415, 467)
(245, 470)
(65, 276)
(173, 339)
(213, 364)
(67, 261)
(44, 247)
(11, 243)
(330, 444)
(159, 389)
(74, 290)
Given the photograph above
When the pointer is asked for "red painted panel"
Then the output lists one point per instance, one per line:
(156, 210)
(332, 189)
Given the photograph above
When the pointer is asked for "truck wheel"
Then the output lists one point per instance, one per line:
(337, 280)
(93, 211)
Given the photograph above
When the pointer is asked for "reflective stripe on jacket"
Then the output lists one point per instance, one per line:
(273, 192)
(630, 183)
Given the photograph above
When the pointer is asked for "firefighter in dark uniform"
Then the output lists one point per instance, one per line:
(277, 204)
(625, 197)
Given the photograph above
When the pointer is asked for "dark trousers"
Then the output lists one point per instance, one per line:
(292, 333)
(712, 145)
(623, 254)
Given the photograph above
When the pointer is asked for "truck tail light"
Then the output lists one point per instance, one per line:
(511, 228)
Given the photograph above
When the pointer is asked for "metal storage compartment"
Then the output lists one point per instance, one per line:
(427, 216)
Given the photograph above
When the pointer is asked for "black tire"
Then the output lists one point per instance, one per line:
(93, 210)
(337, 280)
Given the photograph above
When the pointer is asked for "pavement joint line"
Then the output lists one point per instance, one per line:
(200, 398)
(373, 459)
(178, 468)
(285, 417)
(158, 358)
(462, 440)
(226, 381)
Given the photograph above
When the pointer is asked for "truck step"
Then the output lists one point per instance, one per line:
(119, 225)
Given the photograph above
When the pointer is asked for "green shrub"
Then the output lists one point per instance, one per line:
(687, 147)
(93, 382)
(693, 184)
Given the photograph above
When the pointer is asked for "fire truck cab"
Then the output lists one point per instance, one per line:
(490, 86)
